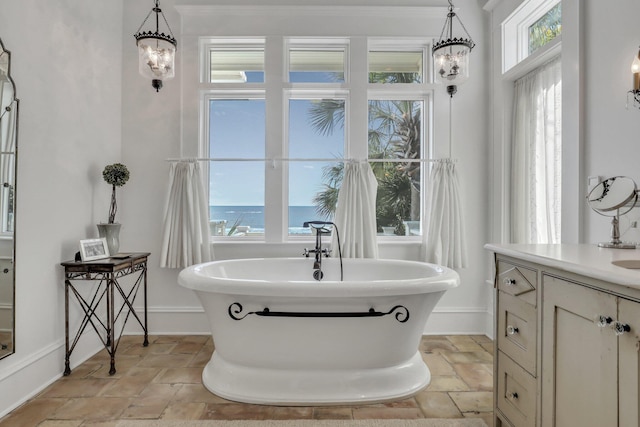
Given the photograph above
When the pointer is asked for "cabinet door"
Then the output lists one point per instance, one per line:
(579, 358)
(629, 357)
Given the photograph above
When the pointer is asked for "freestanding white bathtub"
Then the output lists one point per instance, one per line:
(283, 338)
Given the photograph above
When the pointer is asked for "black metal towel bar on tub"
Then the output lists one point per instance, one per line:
(401, 313)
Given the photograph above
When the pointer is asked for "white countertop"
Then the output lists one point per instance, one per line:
(587, 260)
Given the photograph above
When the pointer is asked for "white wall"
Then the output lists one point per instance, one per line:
(152, 133)
(612, 133)
(66, 62)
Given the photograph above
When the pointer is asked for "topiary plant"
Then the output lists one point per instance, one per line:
(117, 175)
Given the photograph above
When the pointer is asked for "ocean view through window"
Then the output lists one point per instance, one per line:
(251, 218)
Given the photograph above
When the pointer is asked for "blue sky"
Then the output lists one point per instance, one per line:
(238, 131)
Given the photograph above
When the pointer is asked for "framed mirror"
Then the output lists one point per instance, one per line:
(8, 153)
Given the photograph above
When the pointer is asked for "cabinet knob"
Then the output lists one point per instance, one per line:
(512, 330)
(620, 328)
(603, 321)
(508, 281)
(512, 395)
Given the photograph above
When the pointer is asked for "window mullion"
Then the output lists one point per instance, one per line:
(275, 176)
(356, 144)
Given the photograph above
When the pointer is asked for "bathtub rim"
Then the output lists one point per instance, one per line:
(444, 279)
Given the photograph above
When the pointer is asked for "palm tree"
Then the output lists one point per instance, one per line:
(394, 133)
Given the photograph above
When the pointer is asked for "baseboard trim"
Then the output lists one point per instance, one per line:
(459, 321)
(193, 320)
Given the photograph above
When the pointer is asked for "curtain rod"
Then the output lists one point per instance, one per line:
(273, 160)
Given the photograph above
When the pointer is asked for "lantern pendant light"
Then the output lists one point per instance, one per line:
(156, 50)
(451, 55)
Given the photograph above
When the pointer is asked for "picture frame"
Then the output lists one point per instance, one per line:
(93, 249)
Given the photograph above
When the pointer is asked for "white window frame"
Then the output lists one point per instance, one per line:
(516, 63)
(277, 172)
(515, 33)
(426, 146)
(306, 94)
(319, 44)
(224, 43)
(403, 45)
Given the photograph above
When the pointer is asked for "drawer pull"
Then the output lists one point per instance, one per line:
(620, 328)
(603, 321)
(512, 396)
(512, 330)
(508, 281)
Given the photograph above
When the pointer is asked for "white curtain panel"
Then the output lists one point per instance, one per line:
(355, 214)
(185, 239)
(536, 156)
(444, 239)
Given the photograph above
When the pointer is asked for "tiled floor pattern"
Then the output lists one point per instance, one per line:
(162, 381)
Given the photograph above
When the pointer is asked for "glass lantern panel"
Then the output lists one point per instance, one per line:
(452, 64)
(156, 58)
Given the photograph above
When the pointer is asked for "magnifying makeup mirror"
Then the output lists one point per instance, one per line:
(614, 197)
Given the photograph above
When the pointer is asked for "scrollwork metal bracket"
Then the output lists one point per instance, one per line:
(400, 312)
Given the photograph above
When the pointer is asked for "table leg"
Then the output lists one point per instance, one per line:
(146, 329)
(110, 323)
(67, 368)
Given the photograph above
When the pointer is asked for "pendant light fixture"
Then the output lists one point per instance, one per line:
(451, 54)
(156, 50)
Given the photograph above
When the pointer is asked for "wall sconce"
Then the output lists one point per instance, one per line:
(635, 92)
(451, 55)
(156, 50)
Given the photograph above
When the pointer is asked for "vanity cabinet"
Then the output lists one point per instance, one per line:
(567, 347)
(590, 358)
(515, 357)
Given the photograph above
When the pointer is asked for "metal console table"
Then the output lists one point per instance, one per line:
(107, 272)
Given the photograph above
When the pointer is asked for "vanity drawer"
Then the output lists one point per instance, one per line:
(518, 281)
(517, 330)
(516, 393)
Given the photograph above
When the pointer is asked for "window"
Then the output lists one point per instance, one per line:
(236, 184)
(530, 30)
(277, 145)
(395, 129)
(237, 66)
(545, 29)
(536, 167)
(395, 67)
(315, 132)
(322, 65)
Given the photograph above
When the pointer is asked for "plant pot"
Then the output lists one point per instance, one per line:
(111, 232)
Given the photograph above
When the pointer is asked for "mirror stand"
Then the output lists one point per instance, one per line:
(608, 198)
(615, 242)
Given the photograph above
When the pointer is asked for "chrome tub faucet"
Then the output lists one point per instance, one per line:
(320, 229)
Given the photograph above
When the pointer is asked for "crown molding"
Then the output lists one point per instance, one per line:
(328, 10)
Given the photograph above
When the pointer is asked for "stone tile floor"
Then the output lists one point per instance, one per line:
(162, 381)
